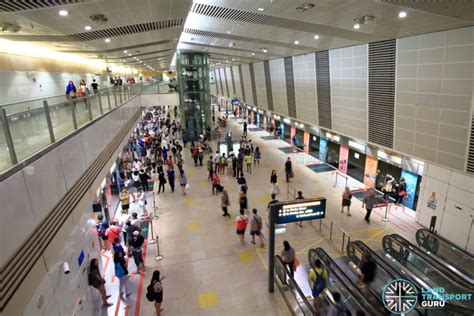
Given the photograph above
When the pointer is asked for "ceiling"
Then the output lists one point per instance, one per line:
(233, 32)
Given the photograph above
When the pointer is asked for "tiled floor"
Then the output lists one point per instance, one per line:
(208, 271)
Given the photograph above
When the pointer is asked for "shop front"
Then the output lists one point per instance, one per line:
(333, 154)
(299, 138)
(286, 130)
(356, 165)
(313, 146)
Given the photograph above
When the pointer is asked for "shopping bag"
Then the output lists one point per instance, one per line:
(292, 174)
(296, 263)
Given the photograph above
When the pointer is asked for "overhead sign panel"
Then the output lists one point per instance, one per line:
(300, 210)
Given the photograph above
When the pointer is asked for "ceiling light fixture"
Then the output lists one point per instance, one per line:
(233, 59)
(297, 42)
(63, 13)
(264, 50)
(107, 40)
(125, 51)
(129, 54)
(87, 27)
(253, 54)
(228, 32)
(356, 26)
(402, 14)
(261, 9)
(134, 57)
(366, 19)
(304, 7)
(316, 37)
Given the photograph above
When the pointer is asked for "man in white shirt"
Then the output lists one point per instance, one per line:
(216, 161)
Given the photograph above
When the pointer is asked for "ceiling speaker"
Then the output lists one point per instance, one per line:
(99, 18)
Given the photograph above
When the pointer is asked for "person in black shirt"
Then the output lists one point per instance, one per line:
(144, 177)
(95, 86)
(368, 269)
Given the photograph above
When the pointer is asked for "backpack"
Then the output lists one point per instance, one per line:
(242, 223)
(259, 223)
(223, 161)
(319, 284)
(101, 229)
(151, 291)
(119, 270)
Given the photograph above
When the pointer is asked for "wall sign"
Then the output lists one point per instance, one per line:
(370, 171)
(300, 211)
(323, 149)
(343, 158)
(411, 179)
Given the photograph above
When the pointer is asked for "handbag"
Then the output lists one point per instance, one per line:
(292, 174)
(296, 263)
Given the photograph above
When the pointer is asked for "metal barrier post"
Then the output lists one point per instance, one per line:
(73, 113)
(153, 239)
(158, 256)
(48, 120)
(155, 216)
(89, 106)
(120, 94)
(343, 239)
(115, 96)
(330, 232)
(108, 99)
(385, 219)
(8, 137)
(321, 225)
(100, 102)
(335, 183)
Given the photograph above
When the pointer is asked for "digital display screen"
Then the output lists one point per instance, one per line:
(301, 211)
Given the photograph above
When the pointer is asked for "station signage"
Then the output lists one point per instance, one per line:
(300, 210)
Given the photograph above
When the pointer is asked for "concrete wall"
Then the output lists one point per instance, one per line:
(304, 71)
(260, 85)
(247, 84)
(277, 71)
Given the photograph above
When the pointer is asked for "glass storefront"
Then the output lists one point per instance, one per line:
(333, 154)
(314, 146)
(286, 133)
(299, 140)
(356, 165)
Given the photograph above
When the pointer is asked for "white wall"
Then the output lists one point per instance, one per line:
(247, 84)
(18, 86)
(435, 80)
(277, 73)
(304, 71)
(349, 103)
(260, 85)
(160, 99)
(454, 207)
(238, 86)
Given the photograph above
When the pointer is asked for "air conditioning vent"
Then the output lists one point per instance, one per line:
(27, 5)
(470, 156)
(99, 18)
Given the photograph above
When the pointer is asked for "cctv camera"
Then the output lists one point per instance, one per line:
(66, 268)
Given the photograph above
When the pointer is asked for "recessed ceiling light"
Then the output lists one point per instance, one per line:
(125, 51)
(228, 32)
(87, 27)
(129, 54)
(227, 61)
(264, 50)
(63, 13)
(253, 54)
(141, 61)
(402, 14)
(297, 42)
(261, 9)
(316, 36)
(357, 26)
(213, 44)
(123, 60)
(134, 57)
(233, 59)
(107, 40)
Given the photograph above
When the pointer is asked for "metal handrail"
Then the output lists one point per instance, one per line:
(345, 238)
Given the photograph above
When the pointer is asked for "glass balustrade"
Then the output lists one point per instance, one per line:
(28, 127)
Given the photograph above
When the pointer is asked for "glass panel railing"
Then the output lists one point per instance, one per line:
(29, 126)
(5, 160)
(61, 119)
(29, 132)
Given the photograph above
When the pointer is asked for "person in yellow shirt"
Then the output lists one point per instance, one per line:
(318, 279)
(248, 162)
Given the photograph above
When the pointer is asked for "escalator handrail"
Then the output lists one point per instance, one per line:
(298, 289)
(442, 269)
(461, 310)
(341, 277)
(450, 243)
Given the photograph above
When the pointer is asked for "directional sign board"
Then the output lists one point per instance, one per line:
(300, 210)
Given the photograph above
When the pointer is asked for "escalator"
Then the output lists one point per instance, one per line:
(451, 256)
(434, 261)
(426, 272)
(338, 281)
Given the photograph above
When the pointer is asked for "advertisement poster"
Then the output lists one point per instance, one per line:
(306, 142)
(323, 149)
(265, 120)
(343, 158)
(282, 130)
(410, 179)
(370, 171)
(292, 135)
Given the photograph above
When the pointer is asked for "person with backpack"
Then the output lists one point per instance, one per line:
(346, 200)
(161, 182)
(288, 256)
(121, 272)
(154, 291)
(223, 163)
(101, 227)
(256, 156)
(216, 183)
(256, 225)
(317, 278)
(97, 281)
(171, 178)
(243, 202)
(241, 225)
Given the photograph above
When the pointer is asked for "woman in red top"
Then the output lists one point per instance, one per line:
(113, 232)
(216, 183)
(241, 224)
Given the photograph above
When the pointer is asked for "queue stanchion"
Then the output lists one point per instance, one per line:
(158, 257)
(155, 216)
(385, 218)
(153, 239)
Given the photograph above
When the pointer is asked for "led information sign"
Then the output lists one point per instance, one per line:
(300, 210)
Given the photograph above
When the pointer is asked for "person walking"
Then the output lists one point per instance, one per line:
(243, 202)
(155, 291)
(180, 163)
(223, 163)
(318, 278)
(135, 248)
(234, 165)
(124, 200)
(241, 225)
(245, 128)
(288, 256)
(240, 165)
(171, 178)
(113, 232)
(121, 272)
(369, 202)
(194, 153)
(183, 182)
(300, 197)
(256, 225)
(161, 182)
(210, 168)
(368, 269)
(97, 281)
(288, 169)
(144, 178)
(225, 202)
(346, 200)
(101, 228)
(401, 191)
(216, 183)
(200, 155)
(256, 156)
(248, 163)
